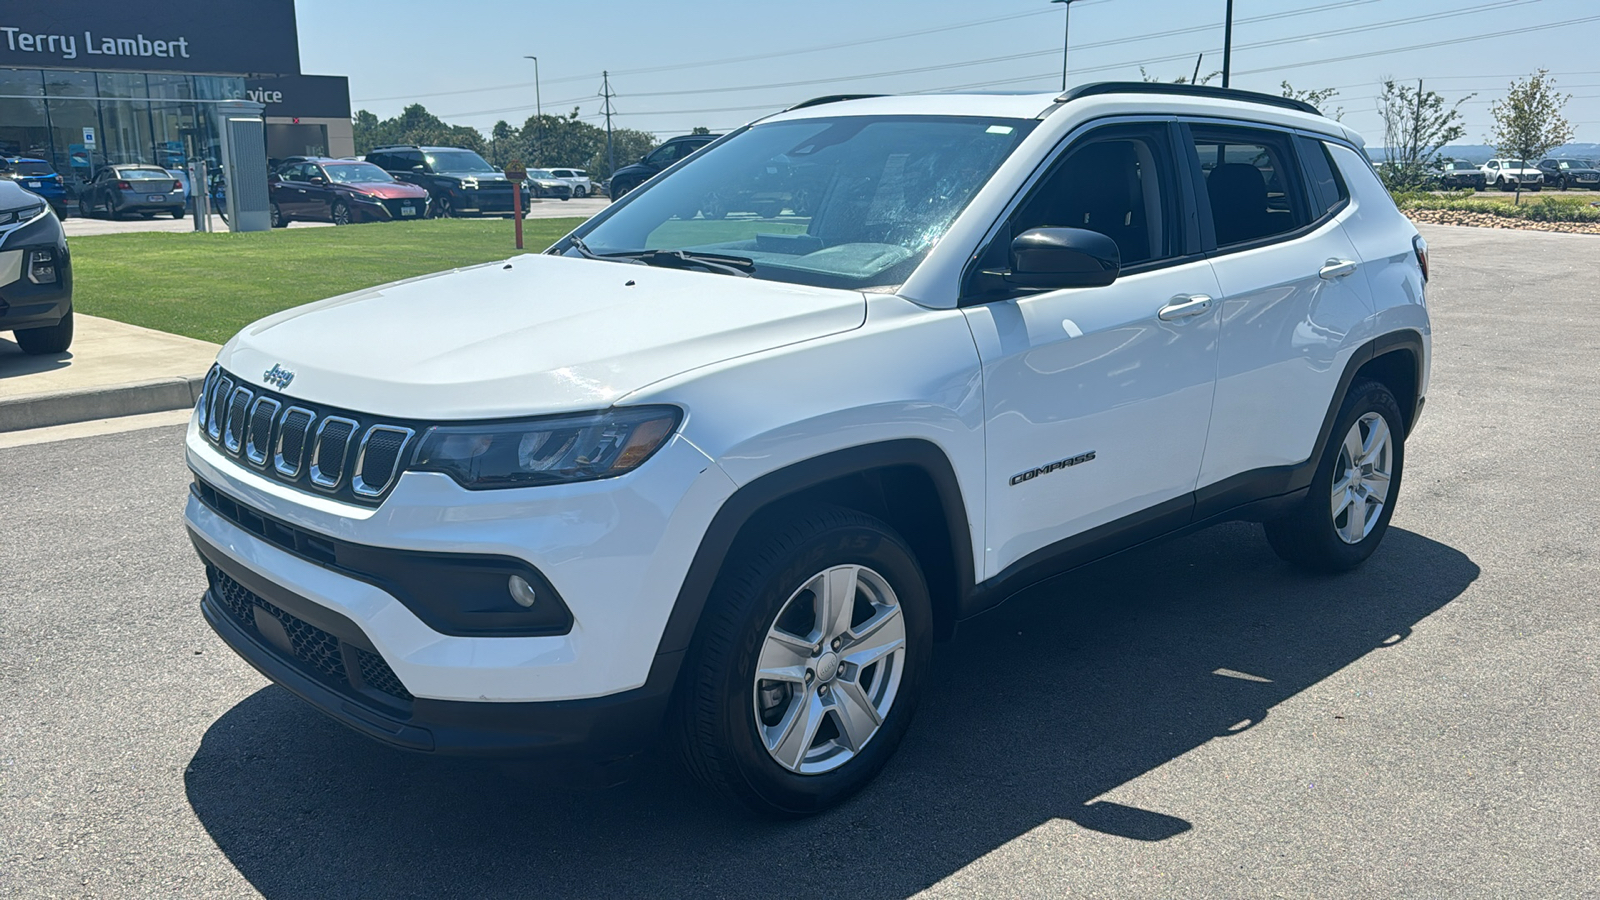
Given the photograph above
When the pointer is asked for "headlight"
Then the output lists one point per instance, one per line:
(552, 450)
(23, 214)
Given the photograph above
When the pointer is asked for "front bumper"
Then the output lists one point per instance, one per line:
(616, 550)
(23, 303)
(326, 660)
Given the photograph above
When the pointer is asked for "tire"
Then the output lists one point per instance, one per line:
(340, 213)
(1563, 185)
(442, 207)
(83, 209)
(580, 192)
(762, 607)
(714, 207)
(1311, 536)
(279, 220)
(176, 213)
(49, 339)
(1501, 183)
(618, 191)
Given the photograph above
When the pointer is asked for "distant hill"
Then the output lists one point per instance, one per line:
(1482, 153)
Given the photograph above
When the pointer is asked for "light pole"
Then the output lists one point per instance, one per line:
(1227, 45)
(1066, 29)
(538, 105)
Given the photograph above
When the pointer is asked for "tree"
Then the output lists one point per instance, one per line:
(1416, 124)
(1181, 79)
(700, 129)
(414, 125)
(1528, 122)
(1316, 98)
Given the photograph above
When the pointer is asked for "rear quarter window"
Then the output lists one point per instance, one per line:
(1328, 190)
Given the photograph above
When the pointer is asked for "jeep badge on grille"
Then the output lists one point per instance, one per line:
(278, 377)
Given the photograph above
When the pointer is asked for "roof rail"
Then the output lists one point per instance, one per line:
(830, 98)
(1188, 90)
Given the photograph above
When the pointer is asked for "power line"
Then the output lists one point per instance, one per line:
(1497, 4)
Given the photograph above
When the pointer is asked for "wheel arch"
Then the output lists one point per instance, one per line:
(909, 483)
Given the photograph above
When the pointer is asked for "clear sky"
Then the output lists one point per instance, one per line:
(719, 63)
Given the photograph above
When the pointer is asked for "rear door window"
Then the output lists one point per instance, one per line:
(1252, 181)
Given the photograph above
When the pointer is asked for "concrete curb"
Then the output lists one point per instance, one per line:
(67, 407)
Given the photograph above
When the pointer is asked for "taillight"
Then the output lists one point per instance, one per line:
(1421, 247)
(124, 185)
(177, 185)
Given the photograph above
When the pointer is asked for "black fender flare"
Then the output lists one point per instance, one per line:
(761, 493)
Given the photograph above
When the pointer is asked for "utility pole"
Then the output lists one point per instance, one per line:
(605, 92)
(1195, 78)
(1227, 46)
(538, 105)
(1066, 30)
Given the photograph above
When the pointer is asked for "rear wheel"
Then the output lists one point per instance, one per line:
(49, 339)
(808, 665)
(1346, 513)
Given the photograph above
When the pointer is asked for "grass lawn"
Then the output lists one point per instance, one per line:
(208, 286)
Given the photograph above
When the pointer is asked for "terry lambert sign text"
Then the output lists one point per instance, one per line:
(66, 45)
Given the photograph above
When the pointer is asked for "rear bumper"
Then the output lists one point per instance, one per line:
(599, 728)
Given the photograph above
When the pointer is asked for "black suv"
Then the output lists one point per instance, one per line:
(1565, 172)
(458, 181)
(627, 178)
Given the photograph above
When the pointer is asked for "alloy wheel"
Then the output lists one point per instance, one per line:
(829, 669)
(341, 214)
(1361, 478)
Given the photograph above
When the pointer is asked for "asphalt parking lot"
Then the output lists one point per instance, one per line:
(1194, 719)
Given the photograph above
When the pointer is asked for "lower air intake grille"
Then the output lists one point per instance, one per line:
(314, 652)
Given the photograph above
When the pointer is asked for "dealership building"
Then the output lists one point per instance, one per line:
(89, 83)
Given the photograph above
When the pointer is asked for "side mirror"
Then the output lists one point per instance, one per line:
(318, 179)
(418, 168)
(1053, 258)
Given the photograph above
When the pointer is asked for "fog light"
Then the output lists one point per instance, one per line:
(521, 591)
(42, 266)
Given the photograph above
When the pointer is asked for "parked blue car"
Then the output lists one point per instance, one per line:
(37, 176)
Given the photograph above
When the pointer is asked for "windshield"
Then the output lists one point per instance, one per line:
(849, 202)
(463, 161)
(356, 173)
(540, 173)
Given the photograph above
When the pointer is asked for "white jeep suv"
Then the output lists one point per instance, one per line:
(728, 479)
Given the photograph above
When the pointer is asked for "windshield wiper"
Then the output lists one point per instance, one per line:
(688, 259)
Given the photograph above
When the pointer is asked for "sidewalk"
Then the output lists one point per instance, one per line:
(113, 369)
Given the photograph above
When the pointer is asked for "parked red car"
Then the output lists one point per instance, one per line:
(342, 191)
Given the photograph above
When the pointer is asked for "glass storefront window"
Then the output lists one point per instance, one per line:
(83, 121)
(23, 131)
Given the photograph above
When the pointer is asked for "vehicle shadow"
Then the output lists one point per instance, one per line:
(1062, 694)
(13, 362)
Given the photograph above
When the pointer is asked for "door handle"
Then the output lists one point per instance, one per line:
(1184, 306)
(1337, 268)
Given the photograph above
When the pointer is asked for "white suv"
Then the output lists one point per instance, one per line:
(1506, 174)
(729, 479)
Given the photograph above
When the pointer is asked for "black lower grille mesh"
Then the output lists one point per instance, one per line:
(316, 652)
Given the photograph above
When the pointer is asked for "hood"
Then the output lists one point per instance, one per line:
(389, 190)
(533, 335)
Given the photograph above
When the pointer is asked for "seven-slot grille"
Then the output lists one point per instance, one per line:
(332, 451)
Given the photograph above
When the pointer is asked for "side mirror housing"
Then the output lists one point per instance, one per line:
(318, 179)
(1053, 258)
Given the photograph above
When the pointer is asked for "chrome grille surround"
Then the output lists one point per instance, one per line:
(258, 438)
(329, 452)
(234, 424)
(384, 461)
(218, 402)
(351, 456)
(290, 455)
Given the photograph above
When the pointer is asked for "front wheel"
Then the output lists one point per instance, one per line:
(442, 207)
(278, 219)
(341, 213)
(1347, 510)
(580, 192)
(1501, 183)
(808, 665)
(83, 209)
(49, 339)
